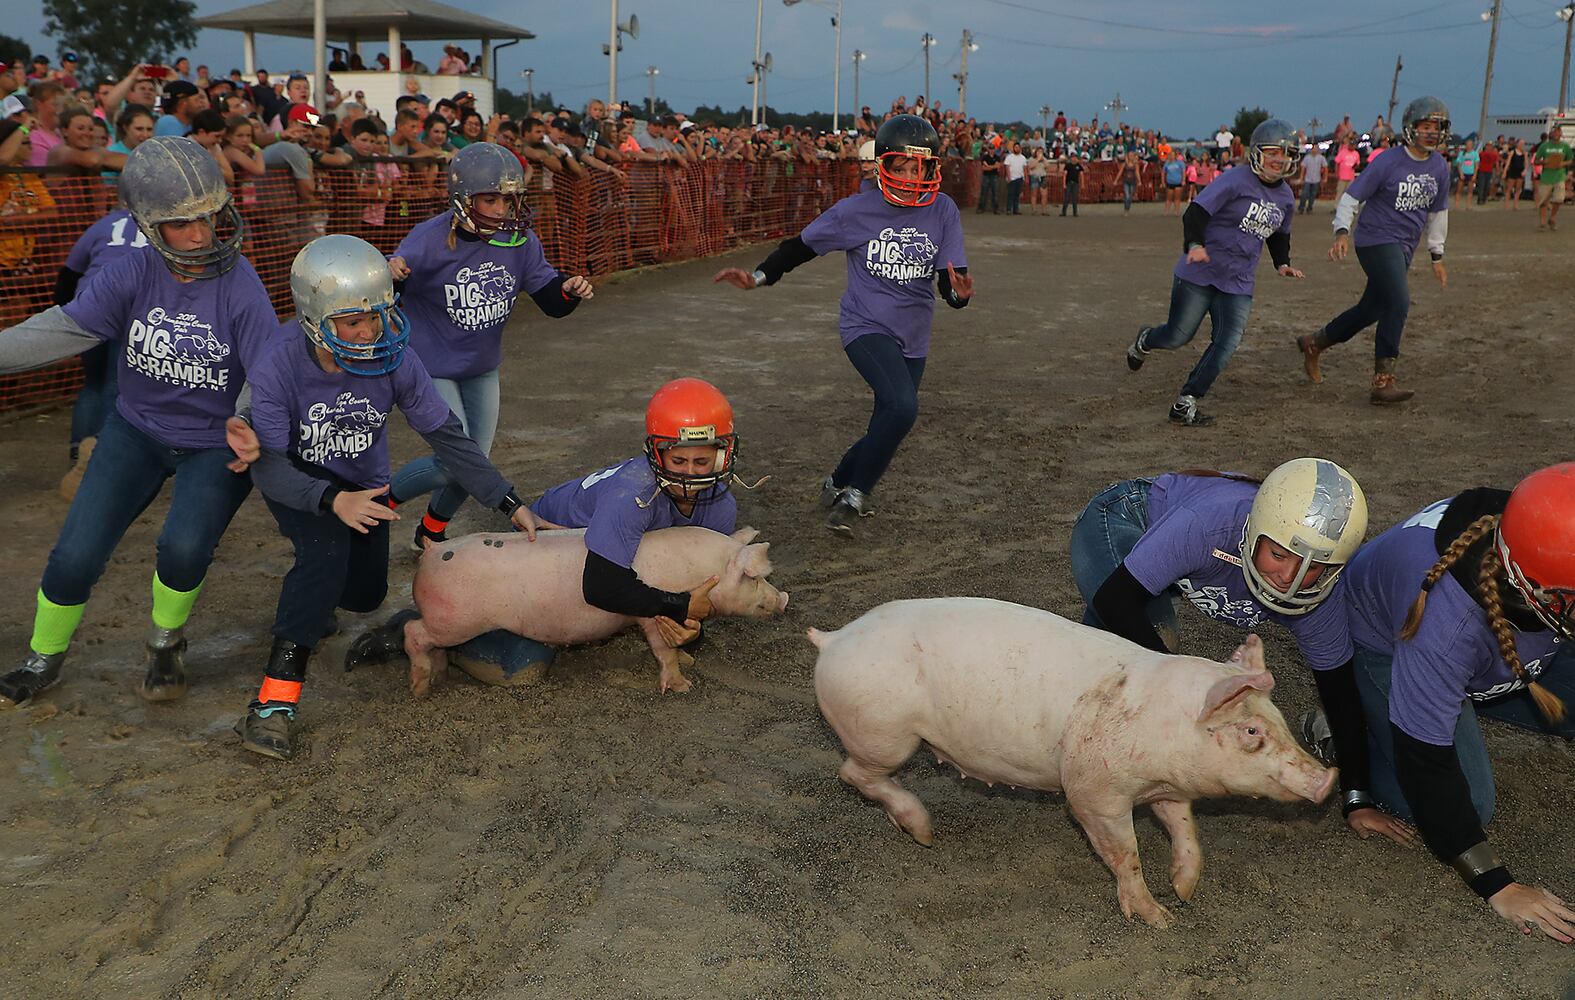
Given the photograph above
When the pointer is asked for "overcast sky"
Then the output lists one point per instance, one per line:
(1181, 68)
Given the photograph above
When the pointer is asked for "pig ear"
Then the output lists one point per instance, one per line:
(1250, 654)
(745, 535)
(754, 561)
(1227, 689)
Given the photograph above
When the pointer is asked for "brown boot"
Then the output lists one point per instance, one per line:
(1308, 345)
(1385, 391)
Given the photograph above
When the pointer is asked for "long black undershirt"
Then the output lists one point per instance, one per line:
(1122, 605)
(66, 285)
(617, 589)
(1195, 221)
(1432, 782)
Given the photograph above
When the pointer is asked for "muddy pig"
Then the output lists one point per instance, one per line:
(484, 582)
(1017, 695)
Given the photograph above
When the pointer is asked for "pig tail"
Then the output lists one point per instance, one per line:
(1457, 548)
(1548, 703)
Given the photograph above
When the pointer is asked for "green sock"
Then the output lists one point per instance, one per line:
(171, 608)
(54, 625)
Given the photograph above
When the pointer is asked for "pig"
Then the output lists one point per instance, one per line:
(1013, 694)
(482, 582)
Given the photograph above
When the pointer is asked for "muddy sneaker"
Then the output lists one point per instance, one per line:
(845, 513)
(423, 537)
(1185, 412)
(1308, 345)
(269, 729)
(828, 493)
(1385, 391)
(1317, 737)
(381, 644)
(39, 672)
(166, 677)
(1137, 353)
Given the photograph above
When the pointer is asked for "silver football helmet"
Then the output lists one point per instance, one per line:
(1273, 133)
(172, 179)
(1314, 509)
(338, 275)
(1425, 109)
(488, 168)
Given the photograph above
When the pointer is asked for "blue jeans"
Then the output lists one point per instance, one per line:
(989, 187)
(1069, 196)
(100, 387)
(475, 402)
(1386, 300)
(1227, 322)
(1014, 192)
(1128, 190)
(335, 567)
(895, 379)
(1106, 531)
(128, 469)
(1308, 197)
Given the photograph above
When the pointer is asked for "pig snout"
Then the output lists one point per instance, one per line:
(1301, 777)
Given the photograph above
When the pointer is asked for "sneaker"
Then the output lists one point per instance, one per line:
(1137, 353)
(1185, 412)
(38, 673)
(828, 493)
(1385, 391)
(1310, 351)
(423, 537)
(845, 513)
(268, 729)
(166, 676)
(1318, 738)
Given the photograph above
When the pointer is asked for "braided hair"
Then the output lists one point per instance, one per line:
(1489, 597)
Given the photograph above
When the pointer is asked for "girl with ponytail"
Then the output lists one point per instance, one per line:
(1463, 610)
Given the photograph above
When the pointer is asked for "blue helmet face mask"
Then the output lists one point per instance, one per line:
(339, 276)
(371, 357)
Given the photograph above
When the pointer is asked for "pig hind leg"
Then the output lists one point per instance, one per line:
(869, 769)
(1186, 854)
(1110, 831)
(427, 659)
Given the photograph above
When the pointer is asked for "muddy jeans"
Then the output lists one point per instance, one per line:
(1386, 300)
(475, 402)
(335, 567)
(1189, 303)
(1106, 531)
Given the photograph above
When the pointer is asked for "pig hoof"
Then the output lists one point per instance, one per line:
(675, 682)
(420, 682)
(1150, 913)
(1185, 884)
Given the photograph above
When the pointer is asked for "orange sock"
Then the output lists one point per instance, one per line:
(279, 692)
(432, 524)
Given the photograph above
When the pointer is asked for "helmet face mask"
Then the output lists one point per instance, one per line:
(175, 180)
(1315, 510)
(900, 138)
(335, 278)
(691, 413)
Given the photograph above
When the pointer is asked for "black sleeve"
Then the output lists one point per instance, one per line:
(553, 300)
(66, 285)
(944, 281)
(789, 254)
(1432, 782)
(1122, 605)
(1343, 706)
(1279, 244)
(617, 589)
(1193, 221)
(464, 460)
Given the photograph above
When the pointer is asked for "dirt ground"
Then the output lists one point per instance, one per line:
(589, 838)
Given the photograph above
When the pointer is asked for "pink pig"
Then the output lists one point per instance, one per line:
(1017, 695)
(483, 582)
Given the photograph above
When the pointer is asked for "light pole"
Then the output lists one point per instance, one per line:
(859, 55)
(1566, 14)
(836, 73)
(1487, 78)
(928, 41)
(1117, 105)
(530, 90)
(961, 76)
(754, 75)
(651, 73)
(758, 80)
(613, 46)
(1313, 125)
(1044, 122)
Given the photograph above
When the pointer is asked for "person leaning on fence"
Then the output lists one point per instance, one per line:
(49, 102)
(188, 316)
(80, 153)
(24, 203)
(374, 181)
(208, 129)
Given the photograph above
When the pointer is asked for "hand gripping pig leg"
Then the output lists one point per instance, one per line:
(427, 659)
(672, 678)
(902, 807)
(1186, 854)
(1112, 835)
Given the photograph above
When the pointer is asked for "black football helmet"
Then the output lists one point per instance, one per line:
(908, 136)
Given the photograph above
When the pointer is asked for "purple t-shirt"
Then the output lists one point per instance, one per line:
(604, 503)
(459, 300)
(185, 347)
(336, 420)
(1454, 654)
(1193, 541)
(108, 239)
(1397, 193)
(1243, 212)
(893, 253)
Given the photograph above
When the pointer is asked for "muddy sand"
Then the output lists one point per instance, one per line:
(587, 837)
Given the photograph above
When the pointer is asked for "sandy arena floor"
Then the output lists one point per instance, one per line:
(589, 838)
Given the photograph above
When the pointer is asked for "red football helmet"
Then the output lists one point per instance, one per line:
(1536, 542)
(687, 412)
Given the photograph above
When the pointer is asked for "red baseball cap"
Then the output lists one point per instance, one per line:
(303, 113)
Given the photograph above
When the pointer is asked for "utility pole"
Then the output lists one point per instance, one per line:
(928, 41)
(1567, 15)
(1118, 106)
(754, 106)
(1487, 78)
(961, 76)
(530, 90)
(651, 73)
(613, 45)
(858, 57)
(1044, 120)
(1394, 86)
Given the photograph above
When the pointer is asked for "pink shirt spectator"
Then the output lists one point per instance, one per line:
(1345, 164)
(43, 142)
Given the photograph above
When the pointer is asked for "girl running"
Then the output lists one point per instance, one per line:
(897, 239)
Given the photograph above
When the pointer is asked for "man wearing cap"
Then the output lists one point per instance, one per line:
(68, 72)
(182, 101)
(39, 70)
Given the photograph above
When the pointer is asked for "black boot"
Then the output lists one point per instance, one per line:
(269, 726)
(166, 677)
(377, 646)
(38, 673)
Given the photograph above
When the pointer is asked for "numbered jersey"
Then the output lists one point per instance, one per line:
(618, 505)
(105, 240)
